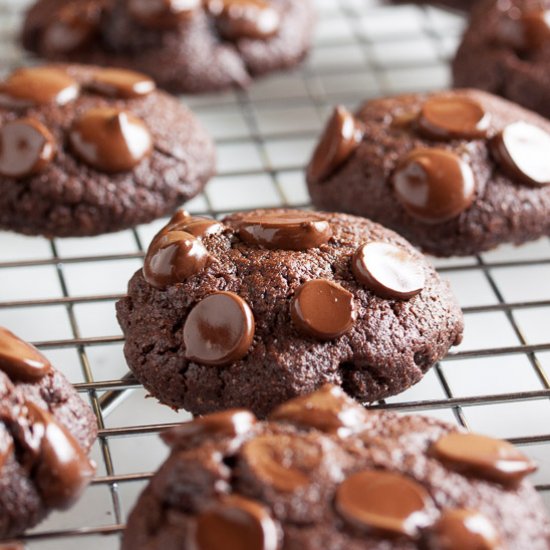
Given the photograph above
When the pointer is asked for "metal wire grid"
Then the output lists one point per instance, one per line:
(498, 381)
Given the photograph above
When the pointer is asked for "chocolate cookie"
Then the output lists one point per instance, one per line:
(191, 46)
(85, 150)
(46, 432)
(506, 51)
(455, 172)
(271, 304)
(325, 473)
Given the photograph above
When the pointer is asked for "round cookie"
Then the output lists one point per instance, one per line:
(506, 51)
(323, 472)
(46, 432)
(271, 304)
(455, 172)
(86, 150)
(190, 46)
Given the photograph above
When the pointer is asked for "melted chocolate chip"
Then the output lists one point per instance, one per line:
(219, 330)
(172, 258)
(236, 19)
(110, 140)
(20, 360)
(453, 117)
(29, 87)
(26, 148)
(388, 270)
(341, 137)
(236, 523)
(527, 32)
(521, 149)
(383, 502)
(483, 456)
(434, 185)
(162, 14)
(323, 309)
(287, 230)
(196, 225)
(121, 83)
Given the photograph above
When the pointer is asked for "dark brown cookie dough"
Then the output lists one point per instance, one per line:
(325, 473)
(46, 432)
(268, 305)
(455, 172)
(506, 51)
(86, 150)
(189, 46)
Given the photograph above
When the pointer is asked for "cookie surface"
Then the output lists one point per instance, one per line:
(185, 46)
(46, 432)
(86, 151)
(268, 305)
(325, 473)
(454, 172)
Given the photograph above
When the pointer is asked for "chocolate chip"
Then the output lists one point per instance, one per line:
(121, 83)
(26, 148)
(453, 117)
(219, 330)
(521, 149)
(286, 230)
(162, 14)
(323, 309)
(434, 185)
(527, 32)
(388, 270)
(6, 449)
(383, 502)
(236, 523)
(196, 225)
(172, 258)
(256, 19)
(29, 87)
(110, 140)
(483, 456)
(341, 137)
(20, 360)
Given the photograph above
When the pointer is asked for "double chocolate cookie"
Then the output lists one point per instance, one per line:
(189, 46)
(455, 172)
(86, 150)
(506, 51)
(46, 432)
(271, 304)
(323, 472)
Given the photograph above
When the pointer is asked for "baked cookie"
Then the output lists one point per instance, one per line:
(506, 51)
(455, 172)
(272, 304)
(190, 46)
(85, 150)
(325, 473)
(46, 432)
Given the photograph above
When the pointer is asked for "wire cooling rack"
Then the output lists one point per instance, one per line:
(60, 294)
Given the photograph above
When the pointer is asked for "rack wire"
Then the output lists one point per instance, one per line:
(60, 294)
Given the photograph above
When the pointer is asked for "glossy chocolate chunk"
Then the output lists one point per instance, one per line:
(434, 185)
(383, 502)
(121, 83)
(483, 456)
(20, 360)
(256, 19)
(388, 270)
(173, 257)
(462, 530)
(110, 140)
(453, 117)
(521, 150)
(529, 31)
(162, 14)
(26, 148)
(323, 309)
(29, 87)
(340, 138)
(287, 230)
(329, 410)
(236, 523)
(219, 330)
(196, 225)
